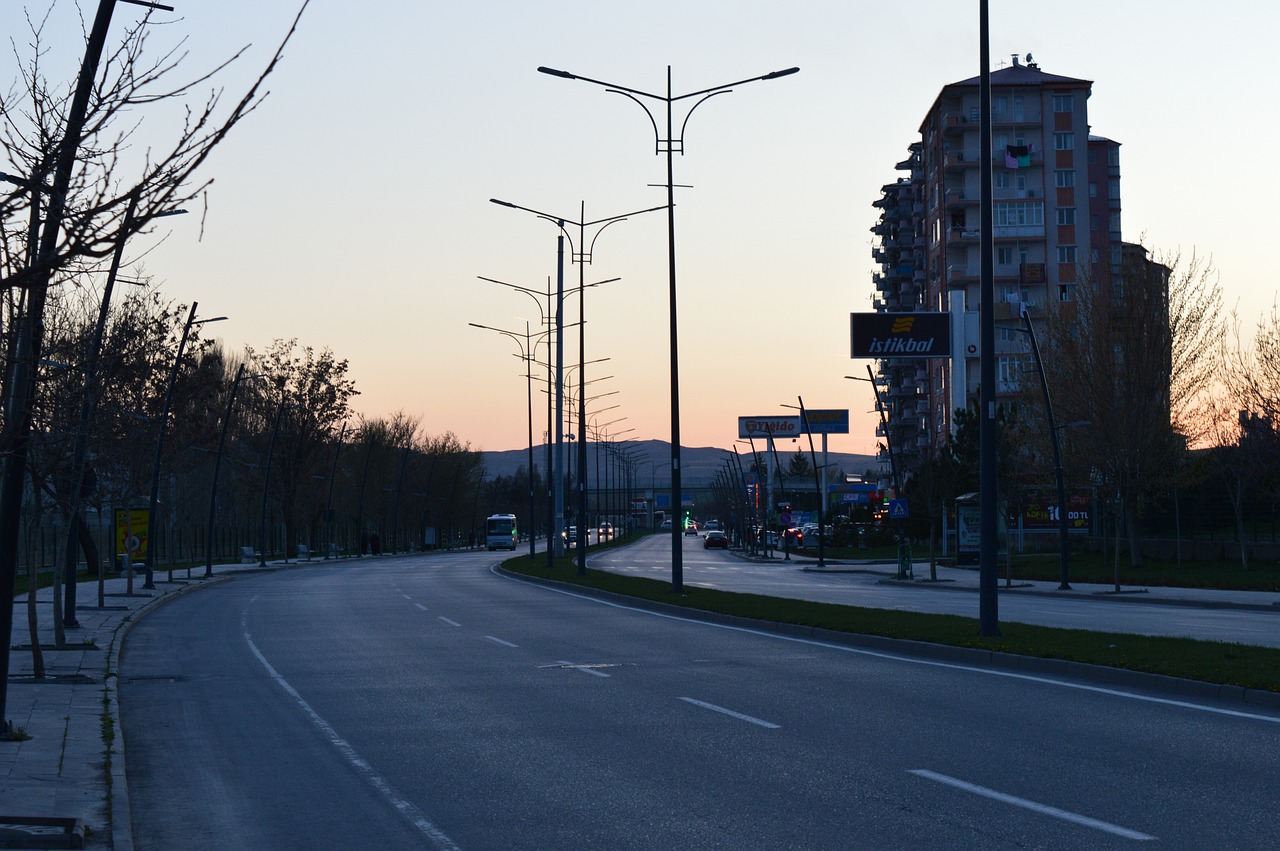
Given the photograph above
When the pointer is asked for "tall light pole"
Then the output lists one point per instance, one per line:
(330, 544)
(551, 469)
(266, 481)
(580, 254)
(526, 354)
(88, 401)
(217, 465)
(670, 144)
(988, 480)
(19, 390)
(152, 525)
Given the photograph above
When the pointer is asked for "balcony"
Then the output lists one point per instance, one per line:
(965, 236)
(956, 160)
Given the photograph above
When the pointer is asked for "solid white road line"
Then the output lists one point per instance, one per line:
(497, 640)
(1043, 809)
(449, 622)
(406, 809)
(420, 606)
(749, 719)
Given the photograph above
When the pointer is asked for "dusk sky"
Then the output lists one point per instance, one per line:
(352, 210)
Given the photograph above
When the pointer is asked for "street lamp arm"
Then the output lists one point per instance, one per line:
(689, 114)
(772, 75)
(657, 135)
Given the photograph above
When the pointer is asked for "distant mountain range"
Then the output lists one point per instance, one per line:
(699, 465)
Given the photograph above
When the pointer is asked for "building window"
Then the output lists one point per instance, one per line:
(1063, 103)
(1066, 215)
(1064, 141)
(1018, 213)
(999, 105)
(1066, 254)
(1064, 178)
(1093, 255)
(1113, 187)
(1113, 223)
(1093, 223)
(1066, 292)
(1004, 254)
(1093, 190)
(1113, 156)
(1002, 179)
(1010, 371)
(1093, 156)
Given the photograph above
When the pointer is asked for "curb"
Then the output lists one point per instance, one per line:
(1128, 595)
(119, 814)
(977, 657)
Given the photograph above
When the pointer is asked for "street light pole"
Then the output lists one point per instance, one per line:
(582, 256)
(526, 354)
(217, 465)
(550, 465)
(153, 526)
(266, 482)
(88, 401)
(671, 142)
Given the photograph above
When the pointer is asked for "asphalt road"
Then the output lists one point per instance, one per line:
(651, 557)
(429, 703)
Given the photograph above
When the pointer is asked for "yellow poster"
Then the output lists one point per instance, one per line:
(131, 533)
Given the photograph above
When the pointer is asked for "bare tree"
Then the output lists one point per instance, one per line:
(1135, 355)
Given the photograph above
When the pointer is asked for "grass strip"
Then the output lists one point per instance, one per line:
(1207, 661)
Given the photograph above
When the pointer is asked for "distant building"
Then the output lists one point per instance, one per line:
(1056, 203)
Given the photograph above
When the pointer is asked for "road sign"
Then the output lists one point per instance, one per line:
(785, 519)
(898, 509)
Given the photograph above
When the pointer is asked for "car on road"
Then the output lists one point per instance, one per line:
(570, 535)
(715, 538)
(666, 526)
(605, 532)
(691, 529)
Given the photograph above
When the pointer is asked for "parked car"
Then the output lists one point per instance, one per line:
(666, 526)
(715, 538)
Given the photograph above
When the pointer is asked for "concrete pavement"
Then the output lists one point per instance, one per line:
(64, 785)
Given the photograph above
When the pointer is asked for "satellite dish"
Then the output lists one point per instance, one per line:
(1029, 59)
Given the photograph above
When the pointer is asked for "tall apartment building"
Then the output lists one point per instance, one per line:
(1056, 199)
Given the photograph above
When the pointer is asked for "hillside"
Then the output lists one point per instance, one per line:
(700, 464)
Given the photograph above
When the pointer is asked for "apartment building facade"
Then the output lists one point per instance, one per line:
(1056, 204)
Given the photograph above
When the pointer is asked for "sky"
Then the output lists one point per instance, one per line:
(351, 211)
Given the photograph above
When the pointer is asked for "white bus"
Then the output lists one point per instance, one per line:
(500, 532)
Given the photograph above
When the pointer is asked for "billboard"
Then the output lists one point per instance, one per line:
(826, 421)
(777, 426)
(900, 335)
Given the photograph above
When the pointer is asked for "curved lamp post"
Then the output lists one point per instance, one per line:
(581, 256)
(88, 400)
(526, 354)
(670, 144)
(553, 536)
(152, 525)
(217, 465)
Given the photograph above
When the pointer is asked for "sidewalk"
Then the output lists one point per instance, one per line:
(966, 579)
(62, 787)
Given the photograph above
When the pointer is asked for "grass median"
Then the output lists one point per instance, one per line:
(1207, 661)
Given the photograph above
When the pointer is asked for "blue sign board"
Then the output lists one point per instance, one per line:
(825, 422)
(898, 509)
